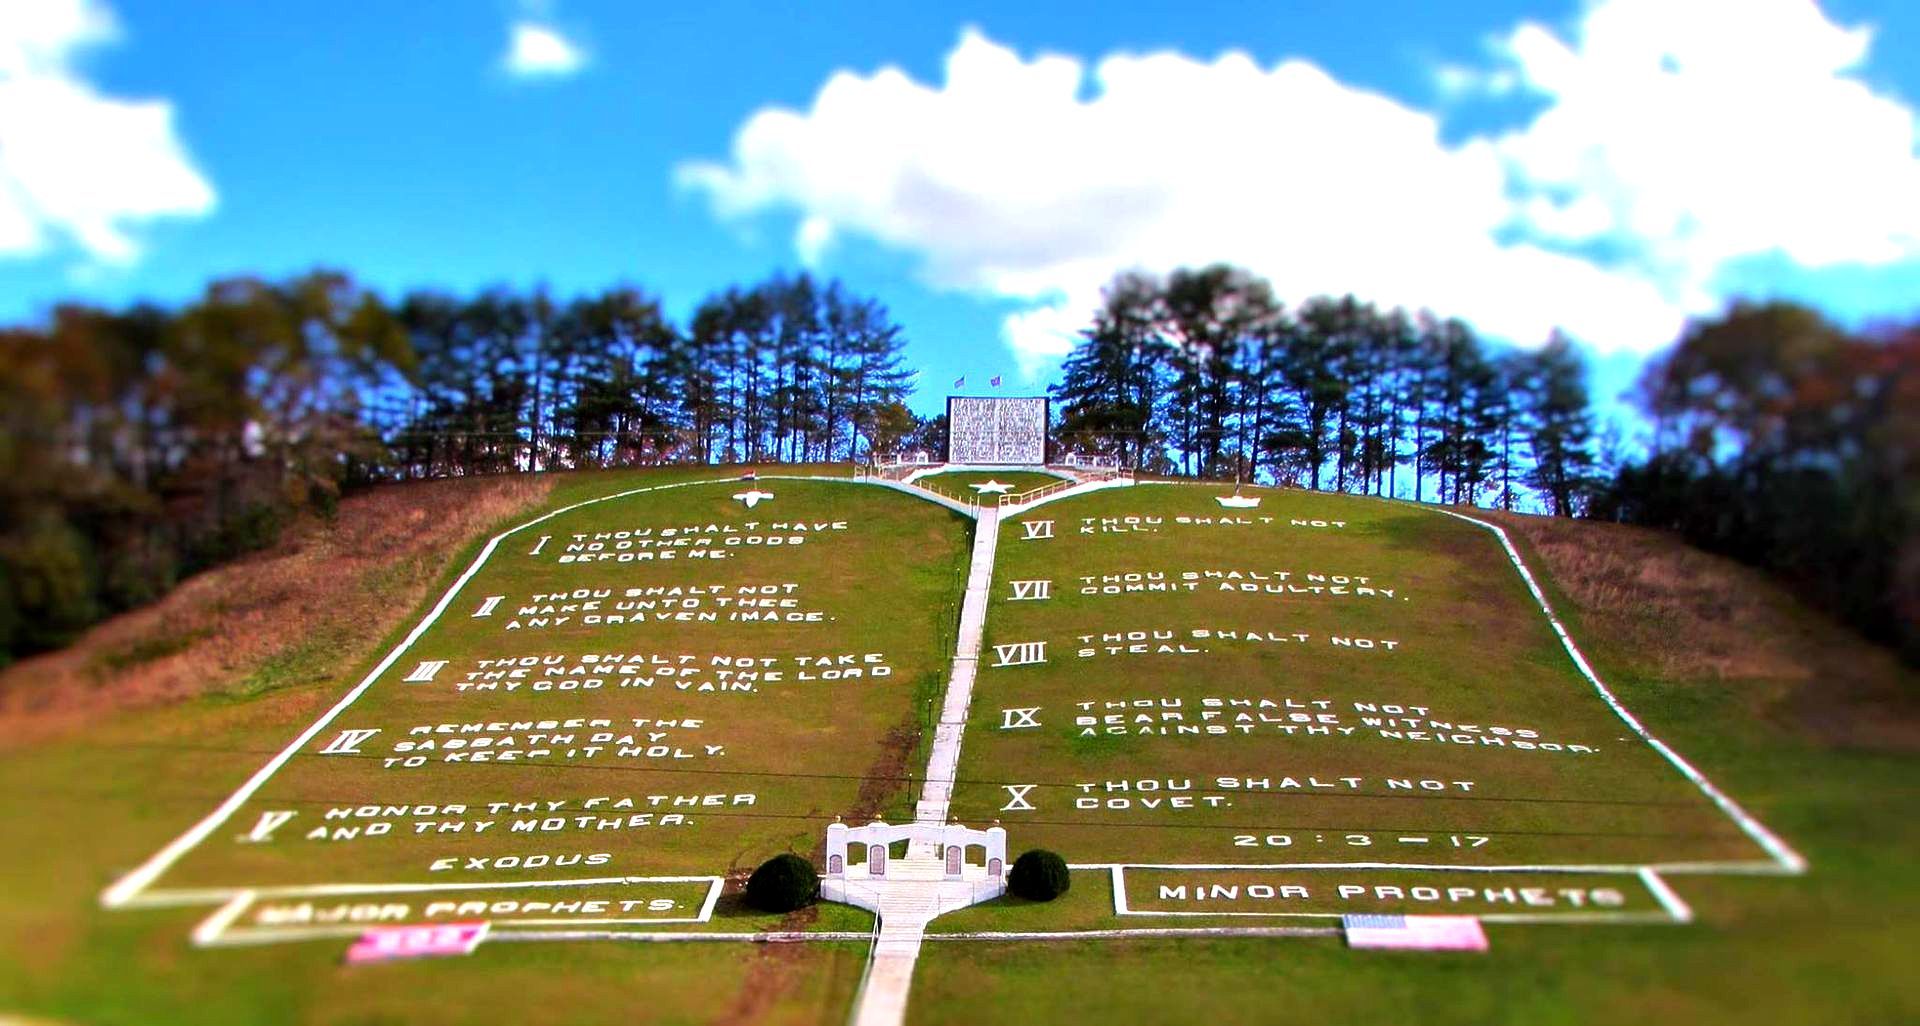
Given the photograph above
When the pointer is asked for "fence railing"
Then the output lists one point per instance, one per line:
(1036, 493)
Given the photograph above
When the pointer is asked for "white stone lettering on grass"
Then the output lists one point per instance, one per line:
(1170, 794)
(1192, 641)
(1017, 798)
(677, 672)
(1019, 719)
(1293, 583)
(1036, 530)
(486, 606)
(538, 861)
(1021, 653)
(264, 827)
(1147, 642)
(1307, 718)
(692, 541)
(571, 739)
(1031, 591)
(348, 742)
(597, 815)
(1146, 523)
(424, 673)
(758, 602)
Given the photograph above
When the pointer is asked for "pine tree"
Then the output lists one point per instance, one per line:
(1561, 430)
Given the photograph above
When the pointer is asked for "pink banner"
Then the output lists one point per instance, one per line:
(1422, 933)
(385, 943)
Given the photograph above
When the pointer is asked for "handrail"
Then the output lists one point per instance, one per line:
(970, 501)
(1037, 493)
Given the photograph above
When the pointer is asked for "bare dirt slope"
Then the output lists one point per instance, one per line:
(316, 602)
(1666, 611)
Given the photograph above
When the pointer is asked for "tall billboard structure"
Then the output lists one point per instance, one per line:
(997, 431)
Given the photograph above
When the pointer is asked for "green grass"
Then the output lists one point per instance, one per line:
(1833, 946)
(93, 805)
(1830, 947)
(782, 756)
(1140, 687)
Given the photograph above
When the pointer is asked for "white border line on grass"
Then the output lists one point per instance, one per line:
(217, 928)
(1783, 854)
(1677, 908)
(1784, 858)
(1749, 867)
(1672, 909)
(129, 889)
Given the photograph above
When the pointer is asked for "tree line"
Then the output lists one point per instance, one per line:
(1204, 372)
(1779, 438)
(1792, 444)
(142, 444)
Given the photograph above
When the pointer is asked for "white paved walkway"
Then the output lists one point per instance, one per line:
(937, 792)
(914, 886)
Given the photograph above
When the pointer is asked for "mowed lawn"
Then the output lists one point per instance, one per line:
(1810, 728)
(1319, 679)
(87, 807)
(1833, 946)
(675, 685)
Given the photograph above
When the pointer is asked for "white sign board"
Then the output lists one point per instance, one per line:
(997, 431)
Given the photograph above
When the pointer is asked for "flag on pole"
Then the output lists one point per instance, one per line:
(960, 382)
(996, 381)
(1423, 933)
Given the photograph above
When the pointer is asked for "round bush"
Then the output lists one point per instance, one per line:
(783, 883)
(1039, 875)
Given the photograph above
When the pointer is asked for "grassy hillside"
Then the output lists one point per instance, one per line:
(113, 747)
(1812, 730)
(94, 795)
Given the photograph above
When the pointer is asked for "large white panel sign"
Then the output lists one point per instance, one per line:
(996, 431)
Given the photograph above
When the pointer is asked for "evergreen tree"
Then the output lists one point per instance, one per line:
(1559, 422)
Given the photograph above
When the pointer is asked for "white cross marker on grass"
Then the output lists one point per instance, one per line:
(752, 497)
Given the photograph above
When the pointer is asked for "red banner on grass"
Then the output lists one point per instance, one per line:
(386, 943)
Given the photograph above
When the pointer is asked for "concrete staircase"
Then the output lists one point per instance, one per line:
(912, 894)
(915, 888)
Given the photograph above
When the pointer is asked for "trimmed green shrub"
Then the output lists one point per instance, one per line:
(1039, 875)
(783, 883)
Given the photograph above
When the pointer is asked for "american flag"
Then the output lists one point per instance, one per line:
(960, 382)
(996, 381)
(1421, 933)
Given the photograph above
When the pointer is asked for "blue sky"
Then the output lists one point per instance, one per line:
(1608, 168)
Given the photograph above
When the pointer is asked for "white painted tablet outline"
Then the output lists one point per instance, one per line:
(1673, 910)
(1789, 860)
(1784, 858)
(215, 930)
(130, 890)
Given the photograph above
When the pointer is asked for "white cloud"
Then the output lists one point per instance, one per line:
(1694, 134)
(75, 165)
(1003, 180)
(536, 49)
